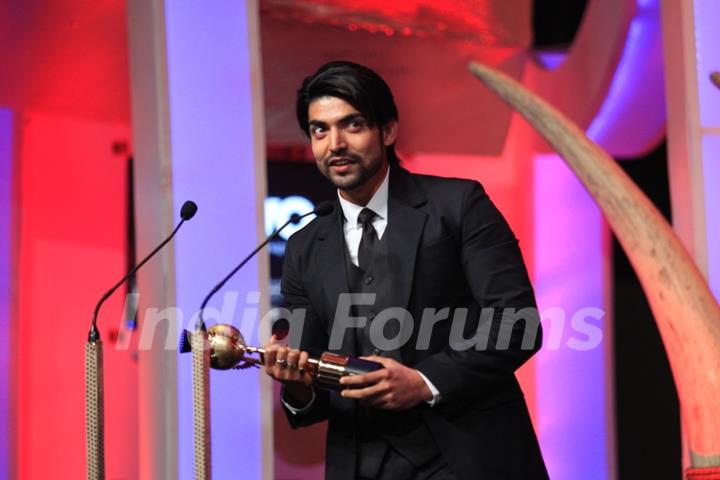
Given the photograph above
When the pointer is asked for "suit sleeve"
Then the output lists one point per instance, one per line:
(313, 338)
(493, 266)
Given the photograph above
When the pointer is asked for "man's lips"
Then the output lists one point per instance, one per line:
(340, 162)
(341, 165)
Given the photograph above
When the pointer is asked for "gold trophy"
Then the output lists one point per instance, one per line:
(228, 350)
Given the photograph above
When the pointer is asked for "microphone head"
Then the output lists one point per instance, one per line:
(324, 209)
(184, 345)
(188, 210)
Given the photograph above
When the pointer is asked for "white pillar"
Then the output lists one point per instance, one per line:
(691, 38)
(198, 134)
(157, 374)
(690, 42)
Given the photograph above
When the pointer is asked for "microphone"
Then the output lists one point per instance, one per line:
(94, 389)
(322, 209)
(188, 211)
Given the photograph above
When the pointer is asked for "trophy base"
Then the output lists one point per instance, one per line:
(332, 367)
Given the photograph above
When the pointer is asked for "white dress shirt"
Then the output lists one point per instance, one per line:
(353, 230)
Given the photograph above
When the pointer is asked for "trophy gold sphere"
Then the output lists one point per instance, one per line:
(227, 346)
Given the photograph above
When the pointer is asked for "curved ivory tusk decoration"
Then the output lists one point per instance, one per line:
(687, 314)
(715, 78)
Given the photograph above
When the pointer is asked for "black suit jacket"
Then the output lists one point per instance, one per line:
(449, 247)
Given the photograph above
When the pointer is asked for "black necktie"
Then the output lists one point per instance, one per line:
(369, 238)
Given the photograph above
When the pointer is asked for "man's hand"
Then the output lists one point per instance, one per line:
(395, 387)
(289, 367)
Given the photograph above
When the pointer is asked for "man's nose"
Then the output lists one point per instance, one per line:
(337, 140)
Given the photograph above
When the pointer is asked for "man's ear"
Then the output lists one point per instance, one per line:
(389, 132)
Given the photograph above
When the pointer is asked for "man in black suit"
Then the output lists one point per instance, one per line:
(421, 274)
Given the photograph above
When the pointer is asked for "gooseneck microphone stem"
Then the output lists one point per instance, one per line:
(293, 219)
(323, 209)
(94, 333)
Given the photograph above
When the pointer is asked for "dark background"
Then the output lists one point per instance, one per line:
(647, 409)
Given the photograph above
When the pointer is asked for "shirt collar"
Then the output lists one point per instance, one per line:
(378, 203)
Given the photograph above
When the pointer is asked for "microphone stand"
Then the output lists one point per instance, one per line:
(94, 382)
(94, 408)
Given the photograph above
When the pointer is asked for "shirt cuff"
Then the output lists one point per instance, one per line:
(295, 410)
(436, 397)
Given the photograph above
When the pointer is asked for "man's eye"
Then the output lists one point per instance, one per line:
(355, 124)
(317, 131)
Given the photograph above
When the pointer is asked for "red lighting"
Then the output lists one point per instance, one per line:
(504, 24)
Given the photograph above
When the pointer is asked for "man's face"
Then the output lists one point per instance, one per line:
(347, 150)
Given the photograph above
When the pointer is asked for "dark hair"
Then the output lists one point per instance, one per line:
(358, 85)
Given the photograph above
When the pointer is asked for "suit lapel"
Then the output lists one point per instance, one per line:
(405, 227)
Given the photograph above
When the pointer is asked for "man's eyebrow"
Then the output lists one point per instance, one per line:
(351, 117)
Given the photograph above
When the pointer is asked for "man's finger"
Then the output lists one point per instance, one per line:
(359, 393)
(281, 357)
(368, 378)
(303, 361)
(270, 357)
(293, 357)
